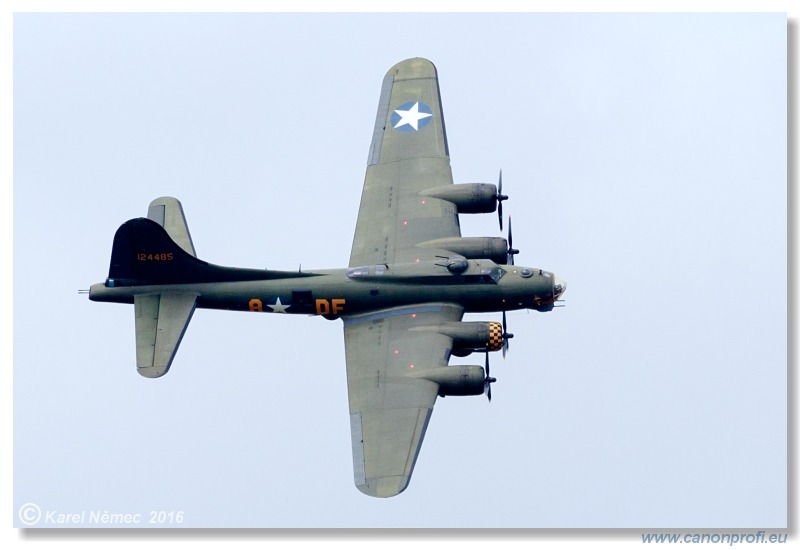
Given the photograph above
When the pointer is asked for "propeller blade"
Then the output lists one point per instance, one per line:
(506, 335)
(511, 250)
(500, 198)
(500, 214)
(488, 381)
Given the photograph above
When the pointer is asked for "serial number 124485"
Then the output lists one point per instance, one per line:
(157, 257)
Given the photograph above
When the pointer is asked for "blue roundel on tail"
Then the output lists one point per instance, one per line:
(411, 116)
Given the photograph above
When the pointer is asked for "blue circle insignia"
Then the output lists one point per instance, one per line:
(411, 116)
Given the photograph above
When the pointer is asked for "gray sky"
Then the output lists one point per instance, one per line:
(645, 157)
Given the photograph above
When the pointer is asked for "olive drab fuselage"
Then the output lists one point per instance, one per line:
(482, 287)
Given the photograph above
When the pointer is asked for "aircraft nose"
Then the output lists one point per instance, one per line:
(559, 286)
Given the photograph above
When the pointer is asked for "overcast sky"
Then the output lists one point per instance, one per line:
(645, 158)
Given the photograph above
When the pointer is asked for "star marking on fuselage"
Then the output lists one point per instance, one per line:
(411, 116)
(278, 307)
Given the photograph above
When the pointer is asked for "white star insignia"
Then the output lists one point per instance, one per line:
(278, 307)
(411, 117)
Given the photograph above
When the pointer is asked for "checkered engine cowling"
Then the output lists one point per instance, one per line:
(474, 336)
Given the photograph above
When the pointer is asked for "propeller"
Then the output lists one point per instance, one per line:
(500, 198)
(488, 381)
(506, 335)
(511, 250)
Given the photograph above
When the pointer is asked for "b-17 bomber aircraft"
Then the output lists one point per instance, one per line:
(410, 280)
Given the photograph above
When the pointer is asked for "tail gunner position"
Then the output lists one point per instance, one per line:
(411, 278)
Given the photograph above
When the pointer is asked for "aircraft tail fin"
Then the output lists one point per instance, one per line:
(158, 250)
(144, 254)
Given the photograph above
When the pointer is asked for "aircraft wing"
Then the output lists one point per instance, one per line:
(388, 354)
(408, 155)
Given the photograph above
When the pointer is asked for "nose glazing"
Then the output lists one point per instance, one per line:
(559, 286)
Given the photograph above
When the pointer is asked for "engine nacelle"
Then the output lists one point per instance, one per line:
(473, 248)
(455, 379)
(469, 198)
(473, 336)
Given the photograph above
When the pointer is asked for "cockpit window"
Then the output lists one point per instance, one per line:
(358, 272)
(363, 271)
(487, 275)
(493, 273)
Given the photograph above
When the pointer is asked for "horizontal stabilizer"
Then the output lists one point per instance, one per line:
(168, 213)
(161, 321)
